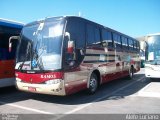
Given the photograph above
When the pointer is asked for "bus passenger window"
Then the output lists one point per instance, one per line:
(117, 41)
(124, 43)
(131, 44)
(107, 37)
(97, 36)
(76, 28)
(90, 34)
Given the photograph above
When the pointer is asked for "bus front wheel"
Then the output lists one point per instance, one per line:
(93, 84)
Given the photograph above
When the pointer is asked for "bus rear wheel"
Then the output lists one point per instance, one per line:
(93, 84)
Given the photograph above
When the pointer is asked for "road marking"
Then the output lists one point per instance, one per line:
(103, 97)
(80, 107)
(25, 108)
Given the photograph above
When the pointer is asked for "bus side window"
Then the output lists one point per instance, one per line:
(117, 41)
(131, 44)
(93, 35)
(138, 46)
(76, 28)
(107, 37)
(135, 45)
(124, 43)
(4, 47)
(97, 36)
(90, 34)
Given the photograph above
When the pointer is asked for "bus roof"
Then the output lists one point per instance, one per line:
(65, 17)
(10, 23)
(143, 38)
(153, 34)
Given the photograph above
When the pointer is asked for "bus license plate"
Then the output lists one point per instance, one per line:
(31, 89)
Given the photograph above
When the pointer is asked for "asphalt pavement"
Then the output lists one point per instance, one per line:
(118, 97)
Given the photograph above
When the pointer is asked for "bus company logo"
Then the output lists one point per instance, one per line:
(48, 76)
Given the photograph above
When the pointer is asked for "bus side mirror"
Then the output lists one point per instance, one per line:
(10, 46)
(70, 46)
(10, 41)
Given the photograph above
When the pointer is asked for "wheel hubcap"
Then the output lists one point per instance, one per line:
(93, 84)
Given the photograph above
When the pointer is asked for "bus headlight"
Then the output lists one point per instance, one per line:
(55, 81)
(16, 75)
(18, 80)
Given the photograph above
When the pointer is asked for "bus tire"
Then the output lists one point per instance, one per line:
(131, 73)
(93, 84)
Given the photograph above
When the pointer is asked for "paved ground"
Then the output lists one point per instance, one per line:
(137, 96)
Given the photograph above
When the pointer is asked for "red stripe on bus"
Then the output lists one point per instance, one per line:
(39, 77)
(75, 86)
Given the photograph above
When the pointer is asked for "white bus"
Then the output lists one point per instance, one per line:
(152, 64)
(63, 55)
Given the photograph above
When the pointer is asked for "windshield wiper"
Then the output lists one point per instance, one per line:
(35, 58)
(27, 53)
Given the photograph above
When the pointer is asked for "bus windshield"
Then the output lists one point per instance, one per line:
(153, 50)
(40, 46)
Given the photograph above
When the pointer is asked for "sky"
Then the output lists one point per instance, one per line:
(132, 17)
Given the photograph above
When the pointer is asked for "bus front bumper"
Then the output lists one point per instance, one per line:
(51, 89)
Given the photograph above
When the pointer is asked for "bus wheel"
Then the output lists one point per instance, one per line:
(131, 73)
(93, 84)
